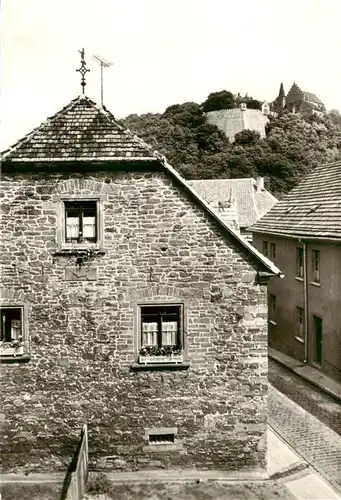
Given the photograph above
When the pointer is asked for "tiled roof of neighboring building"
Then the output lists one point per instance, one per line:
(252, 200)
(312, 209)
(84, 132)
(81, 131)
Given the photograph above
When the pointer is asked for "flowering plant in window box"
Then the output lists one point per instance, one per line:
(154, 354)
(12, 348)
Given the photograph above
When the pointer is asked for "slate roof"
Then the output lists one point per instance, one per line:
(81, 131)
(312, 97)
(252, 201)
(312, 209)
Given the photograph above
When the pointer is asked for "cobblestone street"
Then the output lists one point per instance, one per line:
(307, 433)
(309, 397)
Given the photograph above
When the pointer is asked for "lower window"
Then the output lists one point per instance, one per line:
(161, 334)
(11, 340)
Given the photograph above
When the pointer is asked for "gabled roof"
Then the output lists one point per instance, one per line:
(252, 200)
(307, 96)
(82, 131)
(311, 210)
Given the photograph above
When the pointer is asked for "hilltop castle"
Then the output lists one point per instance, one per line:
(297, 101)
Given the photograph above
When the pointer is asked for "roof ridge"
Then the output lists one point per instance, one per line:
(111, 118)
(104, 113)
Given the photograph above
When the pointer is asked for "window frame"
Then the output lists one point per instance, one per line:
(272, 309)
(80, 215)
(299, 268)
(10, 353)
(159, 316)
(273, 251)
(62, 244)
(299, 323)
(316, 270)
(161, 361)
(266, 248)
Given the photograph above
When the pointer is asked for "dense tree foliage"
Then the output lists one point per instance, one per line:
(294, 145)
(219, 100)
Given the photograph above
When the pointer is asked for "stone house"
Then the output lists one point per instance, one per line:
(302, 234)
(126, 303)
(240, 202)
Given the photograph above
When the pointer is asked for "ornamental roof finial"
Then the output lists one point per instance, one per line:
(82, 70)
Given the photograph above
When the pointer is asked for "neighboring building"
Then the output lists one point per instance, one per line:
(232, 121)
(298, 101)
(240, 202)
(302, 234)
(126, 303)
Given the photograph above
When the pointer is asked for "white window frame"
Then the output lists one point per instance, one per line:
(177, 359)
(11, 351)
(61, 224)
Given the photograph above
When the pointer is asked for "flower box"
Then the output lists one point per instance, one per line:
(173, 358)
(11, 351)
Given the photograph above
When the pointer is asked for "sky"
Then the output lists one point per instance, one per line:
(164, 52)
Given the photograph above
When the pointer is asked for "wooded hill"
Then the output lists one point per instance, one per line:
(293, 146)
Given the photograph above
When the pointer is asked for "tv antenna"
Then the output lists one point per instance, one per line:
(104, 64)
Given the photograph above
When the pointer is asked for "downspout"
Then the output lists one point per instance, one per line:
(305, 292)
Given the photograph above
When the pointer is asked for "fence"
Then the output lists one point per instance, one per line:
(76, 477)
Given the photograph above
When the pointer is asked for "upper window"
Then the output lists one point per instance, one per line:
(299, 263)
(80, 221)
(266, 248)
(161, 334)
(11, 340)
(273, 250)
(316, 265)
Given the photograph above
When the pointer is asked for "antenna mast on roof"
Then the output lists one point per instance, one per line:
(104, 64)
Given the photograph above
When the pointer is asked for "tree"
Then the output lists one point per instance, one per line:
(254, 104)
(247, 137)
(219, 100)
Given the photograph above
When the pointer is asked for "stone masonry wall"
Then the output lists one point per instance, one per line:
(159, 245)
(232, 121)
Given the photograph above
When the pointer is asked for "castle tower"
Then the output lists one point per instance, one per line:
(281, 99)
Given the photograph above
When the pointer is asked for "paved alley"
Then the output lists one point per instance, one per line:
(309, 397)
(318, 444)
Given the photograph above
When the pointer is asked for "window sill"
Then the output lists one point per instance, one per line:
(272, 322)
(79, 250)
(299, 339)
(299, 278)
(314, 283)
(25, 358)
(160, 366)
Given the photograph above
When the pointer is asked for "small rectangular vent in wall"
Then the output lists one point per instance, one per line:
(161, 438)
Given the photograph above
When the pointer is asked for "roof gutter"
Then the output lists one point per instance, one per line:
(296, 236)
